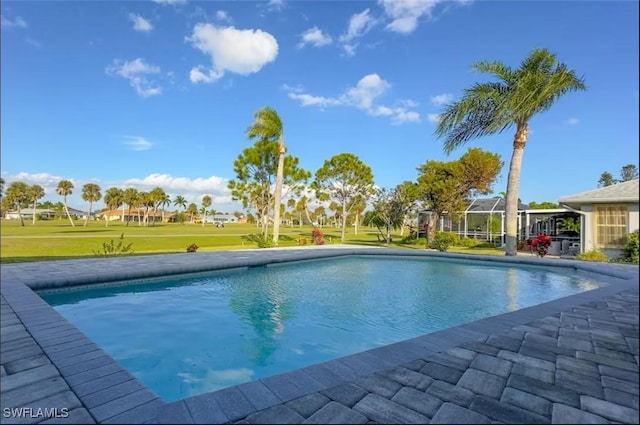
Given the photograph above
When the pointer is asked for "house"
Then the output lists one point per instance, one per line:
(607, 214)
(129, 214)
(27, 214)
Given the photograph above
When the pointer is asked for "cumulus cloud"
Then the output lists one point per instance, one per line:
(405, 14)
(49, 182)
(232, 50)
(136, 143)
(7, 23)
(315, 37)
(573, 121)
(139, 23)
(434, 118)
(363, 96)
(137, 72)
(359, 25)
(210, 185)
(441, 99)
(222, 15)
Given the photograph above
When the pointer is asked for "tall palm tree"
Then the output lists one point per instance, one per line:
(206, 203)
(192, 209)
(166, 201)
(90, 193)
(131, 197)
(113, 198)
(64, 189)
(492, 107)
(35, 192)
(157, 197)
(268, 125)
(180, 202)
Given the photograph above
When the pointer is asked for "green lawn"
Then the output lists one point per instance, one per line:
(57, 239)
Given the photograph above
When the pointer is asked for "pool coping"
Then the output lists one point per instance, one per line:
(110, 394)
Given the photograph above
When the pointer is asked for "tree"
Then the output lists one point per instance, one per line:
(255, 169)
(35, 193)
(165, 203)
(156, 198)
(64, 189)
(90, 193)
(267, 125)
(628, 172)
(445, 186)
(606, 179)
(180, 202)
(356, 206)
(131, 197)
(343, 177)
(545, 205)
(192, 209)
(1, 186)
(17, 196)
(113, 198)
(407, 196)
(206, 203)
(388, 211)
(492, 107)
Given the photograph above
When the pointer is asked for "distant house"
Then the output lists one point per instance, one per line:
(220, 218)
(129, 214)
(608, 215)
(27, 214)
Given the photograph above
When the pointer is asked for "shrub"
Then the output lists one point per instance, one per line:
(301, 241)
(111, 249)
(468, 242)
(412, 240)
(630, 251)
(260, 240)
(317, 236)
(192, 248)
(443, 240)
(592, 255)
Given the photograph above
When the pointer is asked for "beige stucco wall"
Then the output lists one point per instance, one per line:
(587, 228)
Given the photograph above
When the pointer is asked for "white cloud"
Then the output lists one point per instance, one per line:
(7, 23)
(275, 5)
(139, 23)
(192, 189)
(49, 182)
(405, 14)
(364, 97)
(573, 121)
(315, 37)
(242, 52)
(359, 25)
(441, 99)
(434, 118)
(173, 2)
(222, 15)
(136, 143)
(137, 72)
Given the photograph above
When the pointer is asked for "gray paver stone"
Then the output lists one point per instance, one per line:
(452, 393)
(527, 401)
(609, 410)
(534, 352)
(541, 339)
(417, 400)
(336, 413)
(622, 398)
(480, 347)
(415, 365)
(278, 414)
(533, 373)
(347, 394)
(309, 404)
(451, 413)
(258, 395)
(122, 404)
(505, 412)
(482, 383)
(407, 377)
(379, 385)
(614, 354)
(492, 365)
(527, 360)
(386, 411)
(441, 373)
(204, 409)
(27, 377)
(582, 367)
(505, 343)
(111, 393)
(579, 383)
(89, 387)
(173, 413)
(140, 414)
(621, 385)
(462, 353)
(21, 396)
(25, 364)
(233, 403)
(21, 353)
(448, 361)
(76, 416)
(608, 361)
(542, 389)
(575, 343)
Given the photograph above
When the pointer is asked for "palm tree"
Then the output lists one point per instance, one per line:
(180, 202)
(17, 195)
(131, 197)
(156, 197)
(206, 203)
(268, 125)
(165, 203)
(491, 107)
(64, 189)
(113, 198)
(90, 193)
(192, 209)
(35, 192)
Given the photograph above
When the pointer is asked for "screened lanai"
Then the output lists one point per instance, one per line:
(483, 218)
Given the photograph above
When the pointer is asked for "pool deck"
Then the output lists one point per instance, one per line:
(571, 360)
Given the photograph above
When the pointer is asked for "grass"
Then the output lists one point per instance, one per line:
(57, 239)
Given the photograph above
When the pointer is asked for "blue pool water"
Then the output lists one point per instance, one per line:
(187, 335)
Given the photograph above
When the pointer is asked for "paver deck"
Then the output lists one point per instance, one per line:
(571, 360)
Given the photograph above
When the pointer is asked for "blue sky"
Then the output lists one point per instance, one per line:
(160, 93)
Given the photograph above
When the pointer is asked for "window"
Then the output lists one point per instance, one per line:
(611, 225)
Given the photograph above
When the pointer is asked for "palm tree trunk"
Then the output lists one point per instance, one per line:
(86, 220)
(34, 212)
(67, 211)
(306, 212)
(513, 183)
(278, 195)
(20, 215)
(344, 220)
(356, 222)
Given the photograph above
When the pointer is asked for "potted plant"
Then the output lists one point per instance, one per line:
(541, 244)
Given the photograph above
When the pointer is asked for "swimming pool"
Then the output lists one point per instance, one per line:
(187, 335)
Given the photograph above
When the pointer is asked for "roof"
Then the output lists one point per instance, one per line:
(487, 205)
(628, 191)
